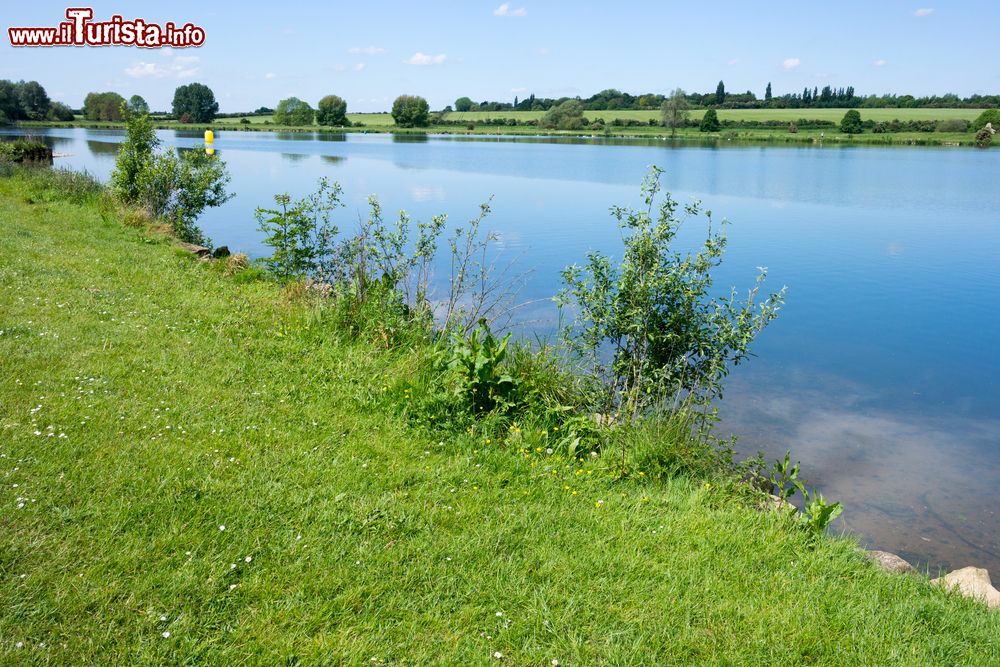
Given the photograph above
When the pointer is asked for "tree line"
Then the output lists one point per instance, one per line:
(827, 97)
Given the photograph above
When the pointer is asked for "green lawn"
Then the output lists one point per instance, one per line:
(745, 114)
(197, 469)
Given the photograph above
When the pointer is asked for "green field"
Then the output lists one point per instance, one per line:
(201, 469)
(745, 114)
(834, 115)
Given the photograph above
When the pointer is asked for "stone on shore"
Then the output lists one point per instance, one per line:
(889, 562)
(972, 582)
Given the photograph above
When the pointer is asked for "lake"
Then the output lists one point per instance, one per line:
(881, 374)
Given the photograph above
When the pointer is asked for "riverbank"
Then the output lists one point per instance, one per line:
(817, 137)
(198, 467)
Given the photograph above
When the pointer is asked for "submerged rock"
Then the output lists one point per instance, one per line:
(972, 582)
(889, 562)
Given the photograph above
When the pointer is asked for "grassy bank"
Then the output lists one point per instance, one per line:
(198, 468)
(475, 123)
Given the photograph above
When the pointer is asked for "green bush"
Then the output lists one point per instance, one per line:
(648, 326)
(851, 123)
(988, 116)
(566, 116)
(710, 122)
(176, 189)
(25, 151)
(952, 125)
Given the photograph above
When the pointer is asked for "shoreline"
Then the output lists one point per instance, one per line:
(759, 137)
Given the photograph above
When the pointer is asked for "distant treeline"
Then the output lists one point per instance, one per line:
(951, 125)
(826, 97)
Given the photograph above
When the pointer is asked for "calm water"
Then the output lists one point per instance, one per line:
(882, 372)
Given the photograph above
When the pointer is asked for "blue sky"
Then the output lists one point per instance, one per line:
(368, 52)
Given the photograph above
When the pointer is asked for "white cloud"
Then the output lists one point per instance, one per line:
(419, 58)
(734, 61)
(181, 67)
(270, 75)
(791, 63)
(366, 50)
(505, 10)
(880, 63)
(359, 67)
(544, 51)
(923, 11)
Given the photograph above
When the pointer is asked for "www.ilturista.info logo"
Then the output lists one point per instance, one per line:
(80, 30)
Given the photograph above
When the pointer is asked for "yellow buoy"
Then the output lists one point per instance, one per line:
(209, 151)
(209, 137)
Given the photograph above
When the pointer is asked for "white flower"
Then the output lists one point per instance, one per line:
(222, 527)
(166, 634)
(555, 663)
(163, 618)
(499, 614)
(498, 655)
(248, 559)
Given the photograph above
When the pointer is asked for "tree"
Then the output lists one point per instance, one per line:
(851, 123)
(103, 106)
(566, 116)
(710, 122)
(59, 112)
(293, 111)
(32, 100)
(197, 100)
(332, 111)
(136, 104)
(410, 111)
(720, 93)
(463, 104)
(767, 92)
(674, 111)
(9, 106)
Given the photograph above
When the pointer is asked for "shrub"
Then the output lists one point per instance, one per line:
(952, 125)
(851, 122)
(988, 116)
(984, 137)
(300, 232)
(566, 116)
(648, 327)
(25, 151)
(177, 189)
(710, 122)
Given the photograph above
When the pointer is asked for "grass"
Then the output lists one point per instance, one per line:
(784, 115)
(147, 401)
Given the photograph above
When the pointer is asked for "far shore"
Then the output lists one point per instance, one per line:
(479, 127)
